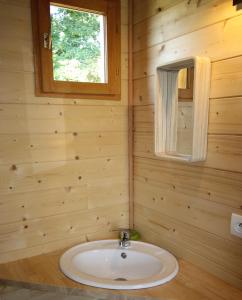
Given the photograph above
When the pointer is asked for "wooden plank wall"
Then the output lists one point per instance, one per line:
(63, 162)
(186, 208)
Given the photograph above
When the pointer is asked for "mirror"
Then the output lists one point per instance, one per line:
(181, 109)
(185, 111)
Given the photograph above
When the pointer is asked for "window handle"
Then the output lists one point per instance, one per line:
(47, 40)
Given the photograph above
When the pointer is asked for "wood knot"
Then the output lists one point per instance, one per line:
(13, 167)
(68, 189)
(162, 48)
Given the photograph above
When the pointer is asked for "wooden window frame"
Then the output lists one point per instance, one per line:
(45, 85)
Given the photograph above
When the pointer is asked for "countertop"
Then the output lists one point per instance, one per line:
(42, 272)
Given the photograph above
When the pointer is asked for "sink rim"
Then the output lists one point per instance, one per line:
(167, 272)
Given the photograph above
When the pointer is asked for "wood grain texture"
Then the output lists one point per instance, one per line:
(223, 74)
(20, 119)
(225, 116)
(171, 23)
(130, 114)
(219, 186)
(53, 228)
(148, 8)
(63, 162)
(218, 41)
(17, 207)
(191, 283)
(17, 149)
(187, 208)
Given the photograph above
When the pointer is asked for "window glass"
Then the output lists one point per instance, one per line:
(78, 45)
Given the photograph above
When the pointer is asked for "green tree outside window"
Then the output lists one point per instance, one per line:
(77, 45)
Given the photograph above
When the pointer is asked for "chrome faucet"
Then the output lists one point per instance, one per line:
(124, 241)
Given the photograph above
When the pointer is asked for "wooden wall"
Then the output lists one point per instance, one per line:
(186, 208)
(63, 162)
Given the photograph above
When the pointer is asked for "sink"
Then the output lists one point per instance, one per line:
(104, 264)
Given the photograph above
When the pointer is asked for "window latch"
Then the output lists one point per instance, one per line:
(47, 40)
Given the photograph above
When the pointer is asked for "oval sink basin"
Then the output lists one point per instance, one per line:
(104, 264)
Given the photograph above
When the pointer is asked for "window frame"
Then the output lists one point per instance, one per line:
(45, 85)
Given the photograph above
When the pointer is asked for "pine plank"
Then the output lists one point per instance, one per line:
(178, 20)
(218, 186)
(20, 119)
(218, 41)
(24, 148)
(48, 175)
(148, 8)
(44, 230)
(189, 210)
(223, 74)
(38, 204)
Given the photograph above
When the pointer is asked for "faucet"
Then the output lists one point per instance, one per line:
(124, 241)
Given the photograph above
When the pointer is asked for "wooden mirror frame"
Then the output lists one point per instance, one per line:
(166, 109)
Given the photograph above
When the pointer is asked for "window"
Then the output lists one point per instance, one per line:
(77, 48)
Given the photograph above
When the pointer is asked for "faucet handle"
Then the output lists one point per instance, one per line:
(125, 234)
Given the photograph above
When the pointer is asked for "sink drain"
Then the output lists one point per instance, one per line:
(120, 279)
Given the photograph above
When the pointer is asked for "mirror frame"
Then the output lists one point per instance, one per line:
(166, 108)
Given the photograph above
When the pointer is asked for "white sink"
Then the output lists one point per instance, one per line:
(104, 264)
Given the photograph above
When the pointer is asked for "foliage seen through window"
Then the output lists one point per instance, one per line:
(77, 45)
